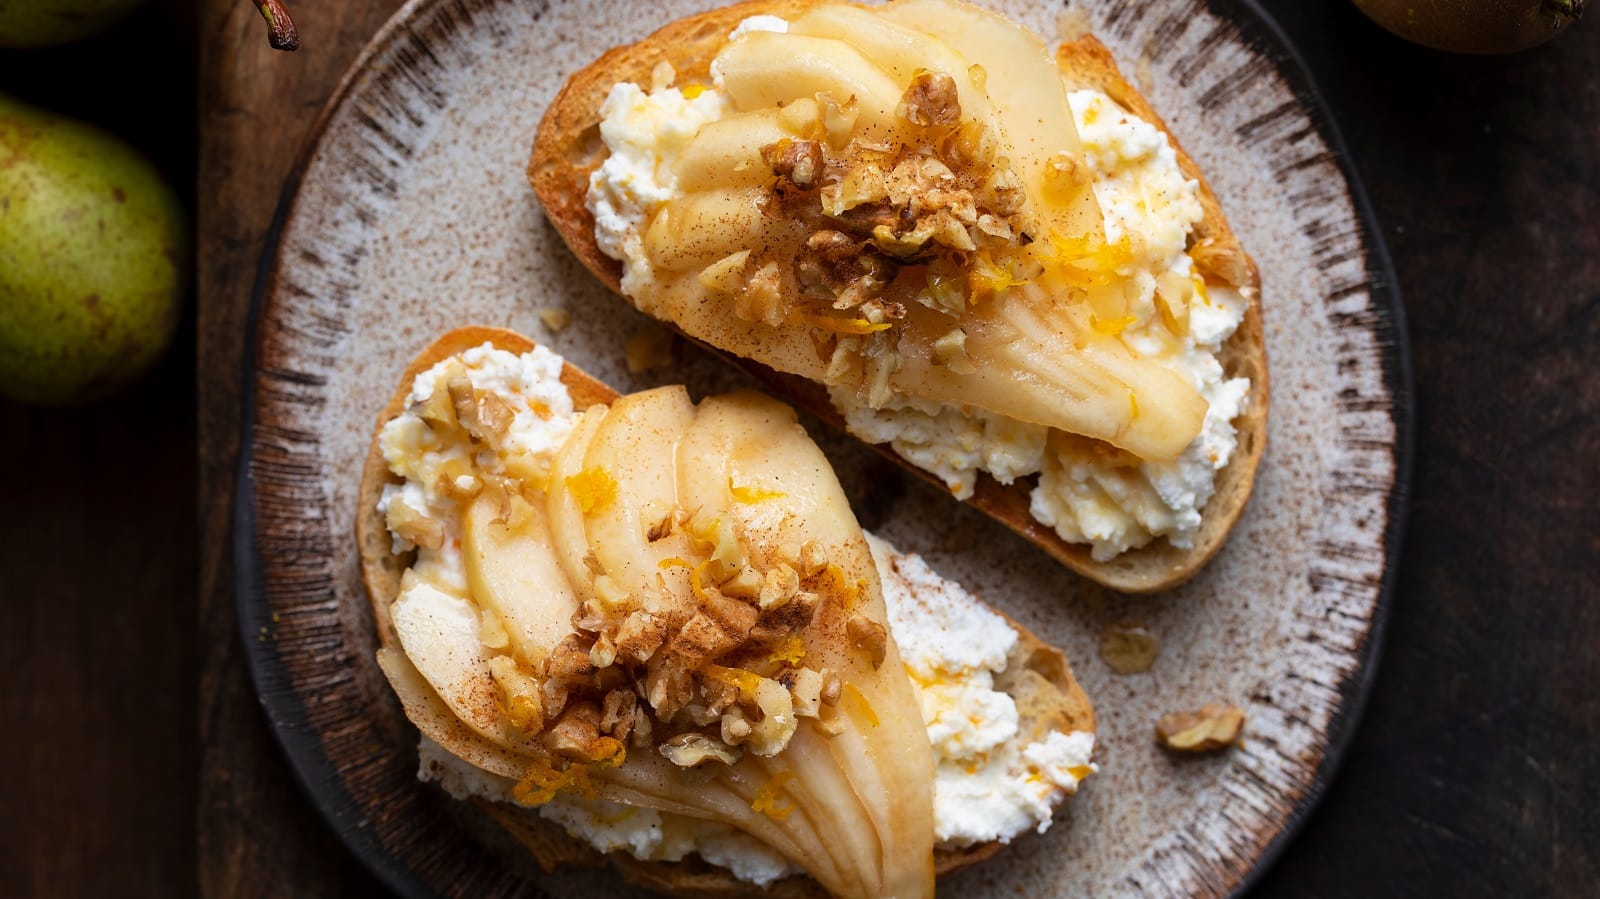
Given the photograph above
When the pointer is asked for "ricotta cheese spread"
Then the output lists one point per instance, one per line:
(1087, 494)
(988, 786)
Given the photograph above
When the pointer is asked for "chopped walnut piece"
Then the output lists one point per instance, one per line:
(495, 414)
(806, 690)
(1222, 261)
(438, 409)
(735, 618)
(576, 734)
(832, 687)
(1007, 189)
(869, 635)
(838, 119)
(1065, 172)
(788, 617)
(1213, 727)
(616, 716)
(570, 658)
(726, 275)
(772, 732)
(691, 749)
(555, 319)
(699, 639)
(553, 694)
(735, 727)
(778, 586)
(668, 685)
(409, 524)
(603, 653)
(797, 161)
(951, 352)
(746, 584)
(640, 635)
(641, 727)
(813, 559)
(859, 186)
(459, 388)
(761, 300)
(931, 100)
(833, 246)
(519, 694)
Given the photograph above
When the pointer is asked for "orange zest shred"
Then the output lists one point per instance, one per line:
(674, 562)
(696, 580)
(1112, 327)
(594, 488)
(1133, 405)
(542, 782)
(989, 278)
(752, 495)
(845, 325)
(744, 681)
(540, 409)
(766, 801)
(690, 91)
(1080, 771)
(790, 650)
(1089, 262)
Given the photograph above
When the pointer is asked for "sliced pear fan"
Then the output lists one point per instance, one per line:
(1035, 356)
(853, 809)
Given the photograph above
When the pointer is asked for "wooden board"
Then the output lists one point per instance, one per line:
(257, 834)
(1516, 135)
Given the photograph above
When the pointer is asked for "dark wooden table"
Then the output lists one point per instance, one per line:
(1475, 772)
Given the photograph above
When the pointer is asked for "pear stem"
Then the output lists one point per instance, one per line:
(281, 31)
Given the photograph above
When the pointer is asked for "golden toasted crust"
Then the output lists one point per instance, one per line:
(568, 149)
(1048, 696)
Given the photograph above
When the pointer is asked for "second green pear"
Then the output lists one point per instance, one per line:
(45, 23)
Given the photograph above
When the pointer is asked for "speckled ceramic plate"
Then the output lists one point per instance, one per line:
(410, 215)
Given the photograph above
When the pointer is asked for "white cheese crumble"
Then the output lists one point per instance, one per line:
(645, 132)
(986, 786)
(530, 384)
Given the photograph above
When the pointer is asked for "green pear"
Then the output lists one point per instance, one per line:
(45, 23)
(94, 251)
(1475, 26)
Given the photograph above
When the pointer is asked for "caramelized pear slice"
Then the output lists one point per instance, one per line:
(695, 230)
(633, 447)
(1032, 100)
(762, 70)
(752, 444)
(513, 571)
(727, 152)
(440, 634)
(567, 534)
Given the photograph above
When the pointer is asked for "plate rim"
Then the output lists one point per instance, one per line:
(320, 781)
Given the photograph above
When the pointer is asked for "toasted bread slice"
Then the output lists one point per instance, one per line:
(1038, 677)
(568, 149)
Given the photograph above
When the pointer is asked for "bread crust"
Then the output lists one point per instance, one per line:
(568, 149)
(1038, 675)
